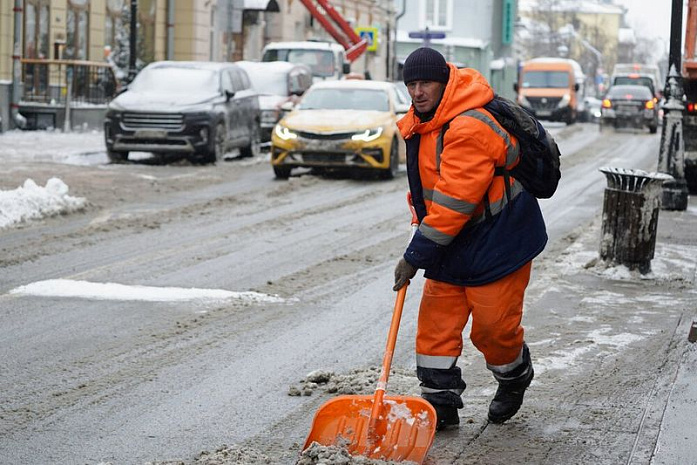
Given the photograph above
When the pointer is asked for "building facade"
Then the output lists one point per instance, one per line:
(589, 32)
(470, 33)
(201, 30)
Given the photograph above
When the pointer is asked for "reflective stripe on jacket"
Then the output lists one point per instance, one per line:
(475, 227)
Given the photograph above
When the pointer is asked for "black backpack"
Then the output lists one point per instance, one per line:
(539, 167)
(538, 170)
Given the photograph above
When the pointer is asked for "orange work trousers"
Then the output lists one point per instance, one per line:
(496, 309)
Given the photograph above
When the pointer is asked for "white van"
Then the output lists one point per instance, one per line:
(327, 60)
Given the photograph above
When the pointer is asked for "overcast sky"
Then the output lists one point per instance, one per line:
(650, 18)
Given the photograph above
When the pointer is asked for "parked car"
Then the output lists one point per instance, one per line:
(342, 124)
(629, 106)
(276, 82)
(198, 109)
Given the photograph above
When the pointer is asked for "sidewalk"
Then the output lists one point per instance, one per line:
(666, 432)
(615, 376)
(677, 437)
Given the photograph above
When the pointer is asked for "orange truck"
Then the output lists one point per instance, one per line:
(689, 80)
(552, 88)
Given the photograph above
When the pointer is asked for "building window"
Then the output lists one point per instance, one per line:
(113, 22)
(36, 21)
(77, 27)
(436, 15)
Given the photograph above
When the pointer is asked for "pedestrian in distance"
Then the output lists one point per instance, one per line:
(478, 233)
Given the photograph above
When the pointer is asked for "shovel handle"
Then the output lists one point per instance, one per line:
(387, 359)
(376, 411)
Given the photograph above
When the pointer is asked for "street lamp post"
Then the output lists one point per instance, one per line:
(671, 157)
(132, 49)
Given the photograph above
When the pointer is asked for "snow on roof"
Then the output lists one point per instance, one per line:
(268, 66)
(210, 65)
(353, 84)
(589, 7)
(308, 44)
(574, 64)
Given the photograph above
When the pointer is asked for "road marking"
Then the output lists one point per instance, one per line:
(113, 291)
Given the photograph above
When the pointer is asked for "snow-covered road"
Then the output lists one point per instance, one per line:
(89, 378)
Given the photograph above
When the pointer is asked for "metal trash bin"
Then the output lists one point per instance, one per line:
(630, 217)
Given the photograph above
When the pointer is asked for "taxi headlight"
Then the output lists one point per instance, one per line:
(284, 133)
(564, 101)
(368, 135)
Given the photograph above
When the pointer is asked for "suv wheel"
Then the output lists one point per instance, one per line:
(217, 149)
(117, 157)
(254, 147)
(393, 169)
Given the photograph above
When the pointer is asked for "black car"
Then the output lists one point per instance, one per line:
(197, 109)
(629, 106)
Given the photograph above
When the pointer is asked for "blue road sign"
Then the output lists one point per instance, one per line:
(426, 35)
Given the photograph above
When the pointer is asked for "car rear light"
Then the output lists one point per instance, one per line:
(690, 107)
(607, 103)
(650, 105)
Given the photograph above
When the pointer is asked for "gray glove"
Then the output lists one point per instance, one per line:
(403, 272)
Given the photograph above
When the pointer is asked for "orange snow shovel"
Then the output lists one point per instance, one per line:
(398, 428)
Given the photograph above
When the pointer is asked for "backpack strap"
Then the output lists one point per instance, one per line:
(512, 153)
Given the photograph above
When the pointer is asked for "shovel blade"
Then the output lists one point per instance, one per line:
(404, 431)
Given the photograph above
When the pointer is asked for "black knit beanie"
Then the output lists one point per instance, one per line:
(425, 64)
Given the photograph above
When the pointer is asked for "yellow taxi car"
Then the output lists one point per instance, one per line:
(347, 124)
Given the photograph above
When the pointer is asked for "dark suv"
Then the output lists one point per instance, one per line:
(197, 109)
(629, 106)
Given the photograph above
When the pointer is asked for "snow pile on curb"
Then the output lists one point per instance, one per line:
(32, 202)
(318, 454)
(357, 381)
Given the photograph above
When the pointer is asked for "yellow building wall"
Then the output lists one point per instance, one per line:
(191, 31)
(161, 30)
(609, 26)
(96, 32)
(6, 39)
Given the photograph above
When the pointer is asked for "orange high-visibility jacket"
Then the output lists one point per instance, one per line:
(472, 231)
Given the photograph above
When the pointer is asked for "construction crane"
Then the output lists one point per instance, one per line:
(329, 18)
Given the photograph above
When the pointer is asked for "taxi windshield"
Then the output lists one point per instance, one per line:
(345, 99)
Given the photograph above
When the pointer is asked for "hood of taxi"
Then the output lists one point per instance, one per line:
(335, 120)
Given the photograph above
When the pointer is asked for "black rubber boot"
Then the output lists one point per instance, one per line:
(512, 386)
(442, 388)
(446, 417)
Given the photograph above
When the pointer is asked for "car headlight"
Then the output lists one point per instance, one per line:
(368, 135)
(523, 101)
(564, 101)
(284, 133)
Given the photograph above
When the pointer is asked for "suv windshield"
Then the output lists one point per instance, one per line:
(176, 80)
(546, 79)
(345, 99)
(637, 80)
